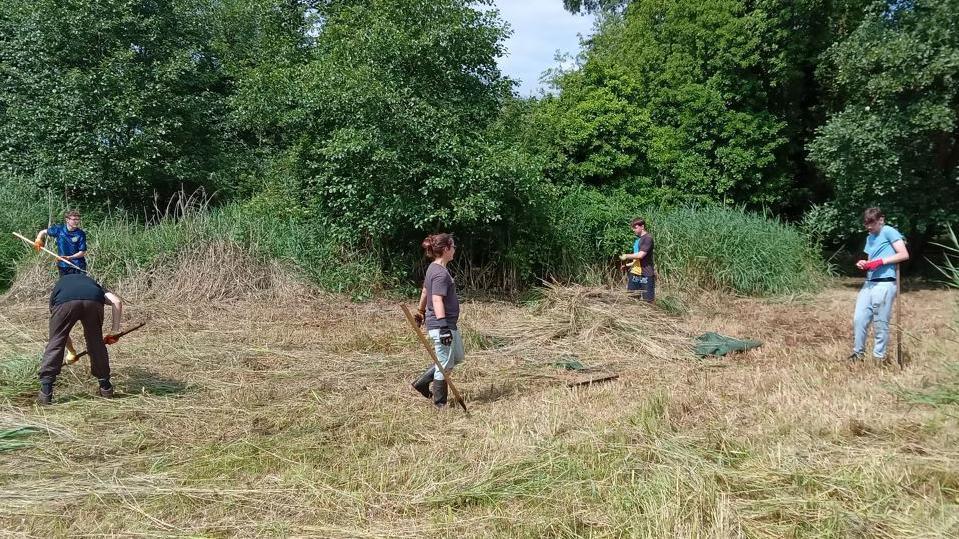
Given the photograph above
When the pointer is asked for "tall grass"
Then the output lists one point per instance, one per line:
(711, 246)
(124, 245)
(21, 210)
(950, 265)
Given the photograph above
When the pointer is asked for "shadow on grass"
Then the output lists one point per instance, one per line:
(131, 382)
(490, 393)
(137, 380)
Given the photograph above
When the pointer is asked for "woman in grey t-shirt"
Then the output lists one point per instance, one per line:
(439, 308)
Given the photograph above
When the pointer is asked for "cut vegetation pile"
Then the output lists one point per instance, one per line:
(603, 322)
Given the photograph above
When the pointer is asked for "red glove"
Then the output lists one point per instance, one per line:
(110, 339)
(38, 245)
(872, 264)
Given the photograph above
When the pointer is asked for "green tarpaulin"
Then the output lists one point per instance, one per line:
(714, 344)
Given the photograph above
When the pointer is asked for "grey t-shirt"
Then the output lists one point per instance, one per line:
(439, 282)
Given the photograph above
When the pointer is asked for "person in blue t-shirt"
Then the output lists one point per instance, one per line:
(884, 249)
(71, 243)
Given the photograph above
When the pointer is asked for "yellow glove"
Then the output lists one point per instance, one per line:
(38, 245)
(624, 257)
(71, 357)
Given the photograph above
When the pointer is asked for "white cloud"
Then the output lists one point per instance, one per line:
(540, 29)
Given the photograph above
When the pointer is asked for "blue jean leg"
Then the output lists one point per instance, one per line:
(637, 283)
(873, 306)
(448, 355)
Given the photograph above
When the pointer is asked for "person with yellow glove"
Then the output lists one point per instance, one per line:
(642, 272)
(78, 298)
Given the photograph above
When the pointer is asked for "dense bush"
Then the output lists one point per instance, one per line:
(709, 246)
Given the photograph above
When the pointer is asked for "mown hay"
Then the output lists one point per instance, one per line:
(608, 322)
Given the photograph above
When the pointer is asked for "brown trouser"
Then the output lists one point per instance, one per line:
(62, 319)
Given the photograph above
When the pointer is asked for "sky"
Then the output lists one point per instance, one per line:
(540, 28)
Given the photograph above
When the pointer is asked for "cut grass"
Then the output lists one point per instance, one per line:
(942, 393)
(294, 418)
(11, 439)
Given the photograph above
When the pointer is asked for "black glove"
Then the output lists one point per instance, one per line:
(446, 336)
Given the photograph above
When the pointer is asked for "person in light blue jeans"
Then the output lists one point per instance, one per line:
(439, 309)
(884, 249)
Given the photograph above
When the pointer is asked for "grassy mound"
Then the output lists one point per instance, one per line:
(241, 245)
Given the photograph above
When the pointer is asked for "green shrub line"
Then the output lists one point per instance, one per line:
(711, 247)
(708, 246)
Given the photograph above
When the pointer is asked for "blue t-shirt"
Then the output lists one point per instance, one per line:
(880, 246)
(69, 243)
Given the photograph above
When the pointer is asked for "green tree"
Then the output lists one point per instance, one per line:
(111, 98)
(384, 125)
(706, 100)
(697, 123)
(895, 140)
(594, 6)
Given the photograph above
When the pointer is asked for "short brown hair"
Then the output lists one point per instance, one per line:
(71, 213)
(871, 215)
(638, 221)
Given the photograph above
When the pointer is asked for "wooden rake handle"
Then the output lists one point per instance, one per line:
(899, 358)
(51, 253)
(432, 353)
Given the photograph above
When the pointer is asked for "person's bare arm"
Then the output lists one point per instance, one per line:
(902, 254)
(421, 306)
(438, 308)
(78, 254)
(117, 306)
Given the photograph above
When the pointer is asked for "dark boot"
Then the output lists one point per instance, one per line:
(422, 384)
(45, 396)
(106, 388)
(439, 393)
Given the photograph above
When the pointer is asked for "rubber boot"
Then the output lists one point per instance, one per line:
(106, 388)
(45, 396)
(422, 384)
(439, 393)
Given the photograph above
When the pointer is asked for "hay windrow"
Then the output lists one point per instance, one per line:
(220, 271)
(604, 322)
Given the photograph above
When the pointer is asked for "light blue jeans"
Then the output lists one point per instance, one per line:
(874, 305)
(448, 356)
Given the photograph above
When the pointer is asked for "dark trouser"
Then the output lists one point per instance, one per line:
(646, 284)
(62, 319)
(68, 271)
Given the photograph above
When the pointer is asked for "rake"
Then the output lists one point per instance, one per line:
(432, 353)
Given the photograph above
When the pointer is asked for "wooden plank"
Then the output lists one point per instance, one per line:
(594, 380)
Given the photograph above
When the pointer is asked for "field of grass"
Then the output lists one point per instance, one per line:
(287, 412)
